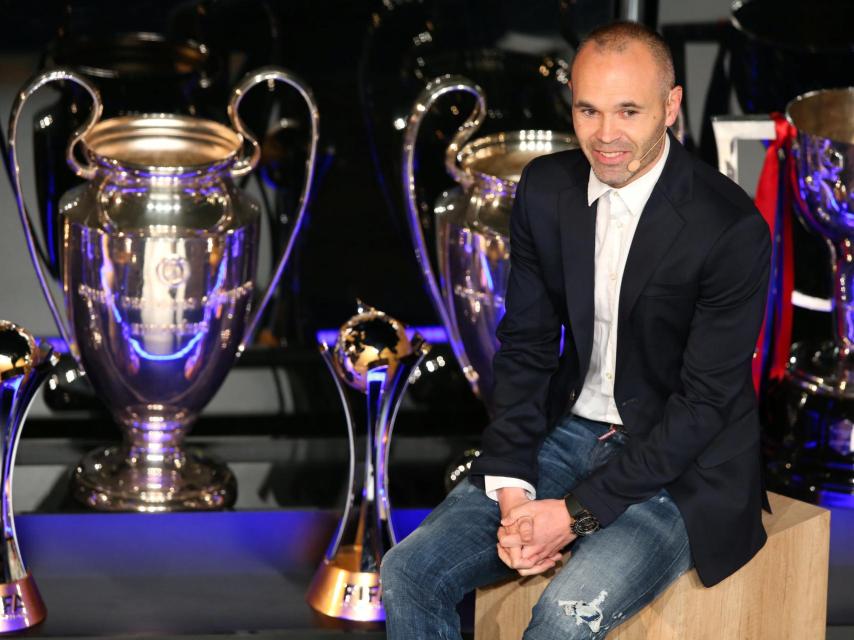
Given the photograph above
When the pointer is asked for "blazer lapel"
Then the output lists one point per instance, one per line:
(658, 227)
(578, 238)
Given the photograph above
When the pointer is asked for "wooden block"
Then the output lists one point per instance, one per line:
(781, 594)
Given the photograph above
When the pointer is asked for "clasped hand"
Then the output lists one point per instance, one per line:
(531, 535)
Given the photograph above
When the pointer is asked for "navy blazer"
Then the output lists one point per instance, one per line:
(691, 304)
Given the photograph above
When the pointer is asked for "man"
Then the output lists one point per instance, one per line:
(639, 442)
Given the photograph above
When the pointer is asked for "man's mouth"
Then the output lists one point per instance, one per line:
(611, 157)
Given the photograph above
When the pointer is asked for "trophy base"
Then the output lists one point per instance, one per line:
(340, 592)
(22, 605)
(108, 479)
(808, 439)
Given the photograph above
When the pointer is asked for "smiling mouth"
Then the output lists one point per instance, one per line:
(610, 157)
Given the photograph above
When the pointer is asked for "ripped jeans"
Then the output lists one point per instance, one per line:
(610, 576)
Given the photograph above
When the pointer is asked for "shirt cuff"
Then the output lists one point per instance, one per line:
(491, 485)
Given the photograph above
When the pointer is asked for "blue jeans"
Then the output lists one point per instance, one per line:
(610, 575)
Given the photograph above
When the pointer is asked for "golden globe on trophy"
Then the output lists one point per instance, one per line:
(23, 368)
(158, 265)
(472, 224)
(374, 356)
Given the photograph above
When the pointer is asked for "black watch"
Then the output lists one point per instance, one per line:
(583, 522)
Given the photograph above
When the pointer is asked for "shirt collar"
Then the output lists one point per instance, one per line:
(635, 194)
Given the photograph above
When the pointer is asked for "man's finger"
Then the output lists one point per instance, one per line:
(517, 513)
(535, 552)
(526, 528)
(512, 557)
(537, 569)
(508, 540)
(504, 556)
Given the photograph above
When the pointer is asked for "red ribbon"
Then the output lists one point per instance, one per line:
(775, 204)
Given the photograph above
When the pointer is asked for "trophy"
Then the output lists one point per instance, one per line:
(158, 260)
(374, 356)
(813, 413)
(472, 225)
(23, 368)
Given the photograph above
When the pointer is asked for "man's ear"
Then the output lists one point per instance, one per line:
(672, 104)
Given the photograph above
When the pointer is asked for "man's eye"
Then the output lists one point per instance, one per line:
(629, 113)
(589, 112)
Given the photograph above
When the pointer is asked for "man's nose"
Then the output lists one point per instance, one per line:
(608, 131)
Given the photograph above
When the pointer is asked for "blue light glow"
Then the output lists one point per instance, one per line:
(166, 356)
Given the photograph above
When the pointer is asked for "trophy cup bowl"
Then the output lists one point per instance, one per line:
(159, 252)
(23, 368)
(472, 225)
(374, 356)
(824, 161)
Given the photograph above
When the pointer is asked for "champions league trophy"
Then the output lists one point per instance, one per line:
(816, 448)
(374, 356)
(472, 225)
(158, 261)
(23, 368)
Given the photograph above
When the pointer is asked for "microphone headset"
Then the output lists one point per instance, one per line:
(635, 164)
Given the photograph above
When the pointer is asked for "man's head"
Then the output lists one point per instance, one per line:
(623, 99)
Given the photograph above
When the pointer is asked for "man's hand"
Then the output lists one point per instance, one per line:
(549, 532)
(521, 530)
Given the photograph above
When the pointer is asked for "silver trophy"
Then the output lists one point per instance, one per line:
(158, 262)
(824, 157)
(472, 225)
(23, 368)
(373, 355)
(814, 418)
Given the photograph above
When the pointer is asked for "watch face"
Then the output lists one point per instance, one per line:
(585, 524)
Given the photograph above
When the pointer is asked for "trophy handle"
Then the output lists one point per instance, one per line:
(247, 163)
(86, 171)
(432, 92)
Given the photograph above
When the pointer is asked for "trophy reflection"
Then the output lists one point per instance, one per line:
(23, 368)
(472, 224)
(158, 261)
(374, 356)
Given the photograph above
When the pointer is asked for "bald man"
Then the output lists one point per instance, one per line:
(636, 448)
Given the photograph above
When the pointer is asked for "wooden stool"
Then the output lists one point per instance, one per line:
(780, 594)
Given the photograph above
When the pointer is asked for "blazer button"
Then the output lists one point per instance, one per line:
(572, 396)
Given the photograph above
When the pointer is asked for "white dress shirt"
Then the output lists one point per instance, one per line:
(618, 212)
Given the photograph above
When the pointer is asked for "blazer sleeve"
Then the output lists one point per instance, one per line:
(715, 370)
(529, 337)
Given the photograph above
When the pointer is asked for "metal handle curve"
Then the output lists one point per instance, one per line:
(247, 164)
(83, 170)
(433, 91)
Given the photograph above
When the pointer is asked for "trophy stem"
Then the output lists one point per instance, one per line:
(152, 471)
(842, 254)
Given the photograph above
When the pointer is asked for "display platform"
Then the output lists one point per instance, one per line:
(182, 574)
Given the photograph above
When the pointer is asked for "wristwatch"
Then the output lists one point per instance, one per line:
(583, 522)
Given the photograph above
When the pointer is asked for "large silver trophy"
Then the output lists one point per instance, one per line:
(817, 403)
(373, 355)
(24, 365)
(159, 253)
(472, 225)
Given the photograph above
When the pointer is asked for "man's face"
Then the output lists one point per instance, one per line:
(620, 109)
